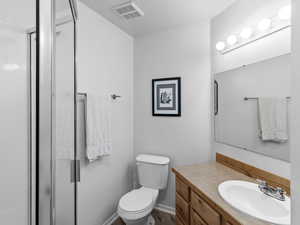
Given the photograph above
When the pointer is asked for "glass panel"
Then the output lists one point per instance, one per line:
(16, 17)
(64, 125)
(64, 115)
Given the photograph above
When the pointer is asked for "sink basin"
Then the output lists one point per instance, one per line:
(247, 198)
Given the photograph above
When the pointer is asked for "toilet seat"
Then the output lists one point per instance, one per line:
(137, 203)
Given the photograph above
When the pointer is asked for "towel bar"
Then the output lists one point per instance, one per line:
(256, 98)
(113, 96)
(84, 94)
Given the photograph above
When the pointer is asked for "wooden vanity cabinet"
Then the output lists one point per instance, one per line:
(196, 219)
(192, 209)
(182, 203)
(198, 201)
(183, 190)
(227, 223)
(182, 209)
(207, 213)
(179, 222)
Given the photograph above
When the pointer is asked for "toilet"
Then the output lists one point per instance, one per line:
(136, 206)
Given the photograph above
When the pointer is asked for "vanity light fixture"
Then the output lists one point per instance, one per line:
(264, 28)
(264, 24)
(285, 13)
(246, 33)
(232, 40)
(220, 46)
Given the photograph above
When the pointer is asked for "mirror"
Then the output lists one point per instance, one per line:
(251, 101)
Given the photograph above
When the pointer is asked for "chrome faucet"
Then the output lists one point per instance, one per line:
(277, 193)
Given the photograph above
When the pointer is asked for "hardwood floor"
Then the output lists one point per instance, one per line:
(161, 218)
(118, 222)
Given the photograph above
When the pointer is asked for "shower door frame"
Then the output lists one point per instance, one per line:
(76, 164)
(32, 134)
(45, 68)
(44, 111)
(32, 124)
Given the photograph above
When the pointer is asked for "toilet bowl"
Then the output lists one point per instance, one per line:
(135, 206)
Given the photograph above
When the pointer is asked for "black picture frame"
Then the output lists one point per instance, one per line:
(175, 85)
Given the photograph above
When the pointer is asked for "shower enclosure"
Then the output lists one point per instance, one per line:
(38, 166)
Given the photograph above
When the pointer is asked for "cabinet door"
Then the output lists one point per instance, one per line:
(182, 209)
(179, 222)
(206, 212)
(196, 219)
(183, 189)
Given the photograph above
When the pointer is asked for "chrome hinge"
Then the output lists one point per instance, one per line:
(75, 171)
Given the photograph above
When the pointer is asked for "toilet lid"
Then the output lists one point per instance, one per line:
(137, 200)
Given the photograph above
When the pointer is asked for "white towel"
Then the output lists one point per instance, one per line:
(273, 119)
(98, 127)
(64, 126)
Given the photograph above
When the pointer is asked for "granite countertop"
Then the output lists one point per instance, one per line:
(205, 178)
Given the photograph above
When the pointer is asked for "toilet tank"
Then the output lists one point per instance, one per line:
(153, 171)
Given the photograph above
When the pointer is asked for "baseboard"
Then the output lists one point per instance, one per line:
(165, 208)
(111, 219)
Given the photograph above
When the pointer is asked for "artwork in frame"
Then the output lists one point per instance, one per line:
(166, 97)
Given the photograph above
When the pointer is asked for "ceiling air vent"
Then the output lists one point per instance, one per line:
(128, 10)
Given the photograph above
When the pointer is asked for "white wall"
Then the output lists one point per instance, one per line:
(231, 21)
(105, 66)
(184, 52)
(295, 117)
(14, 126)
(14, 103)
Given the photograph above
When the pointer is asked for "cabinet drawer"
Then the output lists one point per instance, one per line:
(206, 212)
(183, 189)
(182, 209)
(195, 219)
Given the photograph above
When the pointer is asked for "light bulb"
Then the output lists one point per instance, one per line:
(285, 13)
(264, 24)
(232, 40)
(246, 33)
(220, 46)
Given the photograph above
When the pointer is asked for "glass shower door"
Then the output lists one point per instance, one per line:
(56, 98)
(64, 132)
(63, 118)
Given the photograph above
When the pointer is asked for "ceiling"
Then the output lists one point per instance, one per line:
(160, 14)
(17, 15)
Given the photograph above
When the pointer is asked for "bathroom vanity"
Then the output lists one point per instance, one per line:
(198, 201)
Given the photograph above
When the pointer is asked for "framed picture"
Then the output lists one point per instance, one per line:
(166, 97)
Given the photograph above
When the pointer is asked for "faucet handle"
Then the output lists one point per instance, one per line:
(282, 193)
(280, 190)
(262, 183)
